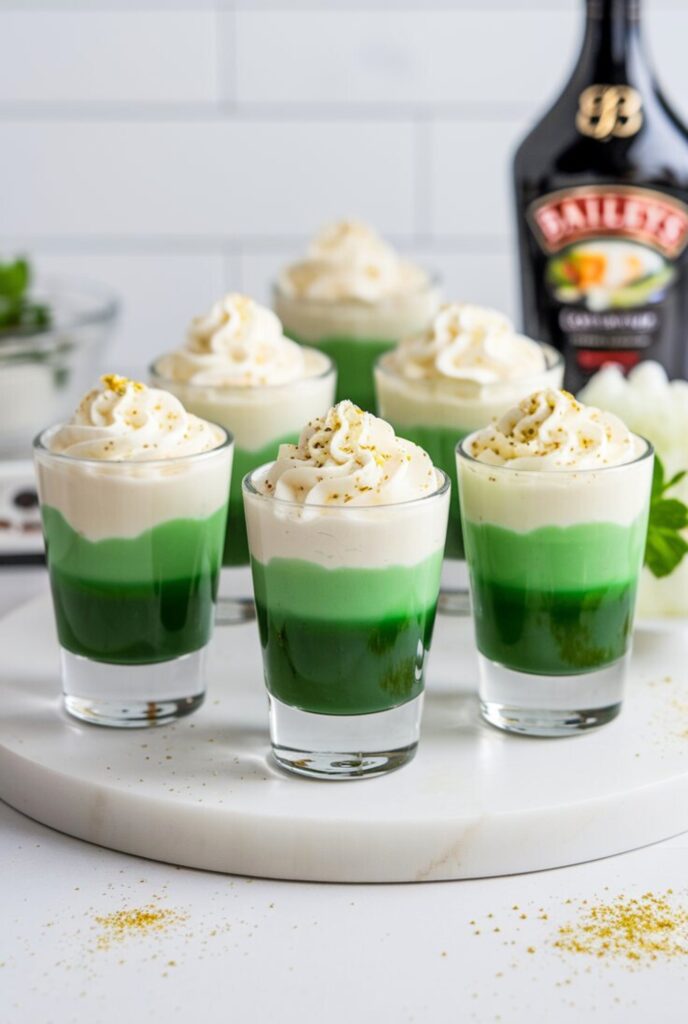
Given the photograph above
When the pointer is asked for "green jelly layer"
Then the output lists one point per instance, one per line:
(440, 444)
(132, 601)
(354, 359)
(236, 541)
(554, 601)
(345, 641)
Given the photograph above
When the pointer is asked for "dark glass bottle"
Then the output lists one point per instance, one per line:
(602, 206)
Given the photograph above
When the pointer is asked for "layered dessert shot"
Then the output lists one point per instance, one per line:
(133, 493)
(238, 369)
(554, 499)
(346, 530)
(657, 408)
(353, 297)
(467, 367)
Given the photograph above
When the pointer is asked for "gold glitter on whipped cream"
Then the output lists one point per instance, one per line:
(113, 382)
(551, 430)
(124, 420)
(350, 457)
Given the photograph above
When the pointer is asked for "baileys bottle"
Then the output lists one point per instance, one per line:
(602, 206)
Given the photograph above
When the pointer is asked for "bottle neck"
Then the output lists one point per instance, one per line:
(612, 50)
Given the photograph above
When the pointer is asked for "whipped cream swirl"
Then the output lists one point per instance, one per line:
(550, 430)
(123, 420)
(350, 457)
(349, 261)
(237, 344)
(470, 346)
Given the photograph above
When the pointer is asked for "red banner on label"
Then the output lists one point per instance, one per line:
(653, 218)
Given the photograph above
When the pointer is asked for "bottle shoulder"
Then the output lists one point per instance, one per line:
(556, 150)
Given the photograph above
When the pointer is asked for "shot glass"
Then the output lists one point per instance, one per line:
(554, 560)
(355, 334)
(134, 552)
(260, 419)
(435, 415)
(345, 600)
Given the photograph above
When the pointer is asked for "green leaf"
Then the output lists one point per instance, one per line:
(669, 514)
(664, 551)
(676, 479)
(18, 312)
(665, 546)
(658, 485)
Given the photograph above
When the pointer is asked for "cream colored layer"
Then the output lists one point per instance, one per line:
(342, 537)
(449, 403)
(524, 501)
(115, 499)
(390, 319)
(256, 416)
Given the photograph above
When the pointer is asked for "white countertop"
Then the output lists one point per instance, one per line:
(236, 949)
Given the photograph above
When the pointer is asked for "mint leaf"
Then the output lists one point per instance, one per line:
(676, 479)
(664, 551)
(658, 485)
(18, 312)
(665, 547)
(669, 514)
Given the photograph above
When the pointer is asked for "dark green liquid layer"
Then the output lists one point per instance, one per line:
(555, 601)
(345, 641)
(135, 601)
(354, 359)
(236, 541)
(440, 444)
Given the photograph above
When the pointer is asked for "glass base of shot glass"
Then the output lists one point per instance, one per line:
(235, 603)
(454, 597)
(540, 705)
(344, 746)
(132, 696)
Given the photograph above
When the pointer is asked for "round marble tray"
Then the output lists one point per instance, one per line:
(474, 802)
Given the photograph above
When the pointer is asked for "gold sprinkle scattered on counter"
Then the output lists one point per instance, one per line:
(635, 929)
(121, 924)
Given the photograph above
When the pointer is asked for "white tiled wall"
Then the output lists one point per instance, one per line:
(174, 148)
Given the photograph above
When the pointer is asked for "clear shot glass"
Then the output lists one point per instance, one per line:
(260, 419)
(345, 601)
(436, 415)
(554, 560)
(134, 552)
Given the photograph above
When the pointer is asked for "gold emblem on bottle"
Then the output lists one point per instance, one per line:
(609, 111)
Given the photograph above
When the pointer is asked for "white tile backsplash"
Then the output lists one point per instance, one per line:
(471, 176)
(105, 56)
(408, 57)
(219, 178)
(175, 148)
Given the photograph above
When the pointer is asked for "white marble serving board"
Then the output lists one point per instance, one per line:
(474, 802)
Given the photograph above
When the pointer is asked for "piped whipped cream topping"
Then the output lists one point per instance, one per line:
(350, 457)
(124, 420)
(237, 344)
(471, 346)
(550, 430)
(349, 260)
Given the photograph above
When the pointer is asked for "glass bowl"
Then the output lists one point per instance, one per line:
(44, 373)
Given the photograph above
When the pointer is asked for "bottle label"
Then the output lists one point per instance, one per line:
(611, 260)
